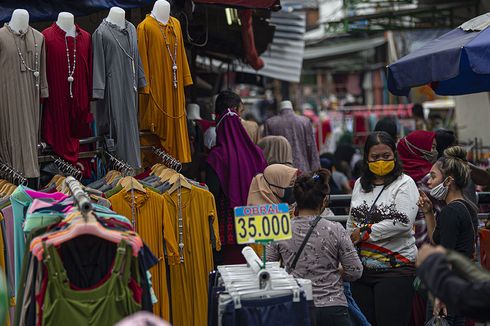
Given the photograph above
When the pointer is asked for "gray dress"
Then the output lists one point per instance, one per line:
(116, 85)
(19, 99)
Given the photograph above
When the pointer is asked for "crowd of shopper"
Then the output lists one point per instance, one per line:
(407, 193)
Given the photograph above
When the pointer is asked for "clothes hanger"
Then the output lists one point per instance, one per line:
(178, 180)
(85, 226)
(129, 183)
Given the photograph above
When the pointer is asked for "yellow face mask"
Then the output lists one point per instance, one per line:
(381, 167)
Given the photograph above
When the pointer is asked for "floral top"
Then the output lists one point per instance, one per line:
(328, 246)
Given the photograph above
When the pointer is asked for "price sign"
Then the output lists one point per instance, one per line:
(270, 222)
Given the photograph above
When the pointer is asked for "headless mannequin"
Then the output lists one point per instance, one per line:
(161, 11)
(66, 22)
(19, 22)
(117, 16)
(193, 112)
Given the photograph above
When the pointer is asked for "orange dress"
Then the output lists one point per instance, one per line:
(161, 105)
(155, 228)
(189, 279)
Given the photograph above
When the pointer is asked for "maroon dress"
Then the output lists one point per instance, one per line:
(67, 117)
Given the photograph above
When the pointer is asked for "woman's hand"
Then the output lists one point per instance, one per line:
(439, 308)
(355, 236)
(425, 204)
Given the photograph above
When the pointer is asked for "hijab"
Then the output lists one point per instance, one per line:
(235, 159)
(277, 150)
(261, 191)
(411, 150)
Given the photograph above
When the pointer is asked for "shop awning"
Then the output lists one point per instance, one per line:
(341, 48)
(47, 10)
(252, 4)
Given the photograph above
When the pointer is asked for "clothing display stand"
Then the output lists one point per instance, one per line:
(238, 292)
(82, 199)
(12, 175)
(167, 159)
(120, 165)
(66, 168)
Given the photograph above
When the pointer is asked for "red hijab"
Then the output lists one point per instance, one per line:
(411, 150)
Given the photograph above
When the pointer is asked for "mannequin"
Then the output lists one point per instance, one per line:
(193, 112)
(19, 22)
(285, 105)
(161, 11)
(117, 16)
(66, 22)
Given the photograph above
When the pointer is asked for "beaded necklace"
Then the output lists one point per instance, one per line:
(35, 69)
(70, 70)
(130, 56)
(172, 57)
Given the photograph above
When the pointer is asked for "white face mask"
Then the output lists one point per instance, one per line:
(440, 191)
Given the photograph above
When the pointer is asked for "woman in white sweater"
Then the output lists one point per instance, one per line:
(383, 210)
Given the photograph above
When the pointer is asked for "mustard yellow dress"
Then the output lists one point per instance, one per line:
(161, 105)
(189, 279)
(155, 228)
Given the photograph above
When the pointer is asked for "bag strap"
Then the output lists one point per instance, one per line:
(475, 238)
(305, 240)
(368, 215)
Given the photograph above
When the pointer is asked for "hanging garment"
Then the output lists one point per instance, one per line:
(66, 113)
(19, 98)
(21, 199)
(155, 228)
(299, 133)
(104, 305)
(162, 106)
(118, 73)
(199, 236)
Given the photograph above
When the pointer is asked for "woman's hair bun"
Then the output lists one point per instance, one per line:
(456, 152)
(311, 188)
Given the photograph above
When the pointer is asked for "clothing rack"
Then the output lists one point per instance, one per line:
(82, 199)
(370, 108)
(66, 167)
(120, 165)
(167, 159)
(9, 173)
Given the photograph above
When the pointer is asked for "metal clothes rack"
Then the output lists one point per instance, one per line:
(9, 173)
(167, 159)
(120, 165)
(67, 168)
(82, 199)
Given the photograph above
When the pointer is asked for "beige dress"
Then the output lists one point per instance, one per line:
(19, 99)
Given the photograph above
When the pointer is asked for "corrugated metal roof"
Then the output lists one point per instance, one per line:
(284, 58)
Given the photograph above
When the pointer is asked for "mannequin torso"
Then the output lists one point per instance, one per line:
(117, 16)
(161, 11)
(19, 21)
(66, 22)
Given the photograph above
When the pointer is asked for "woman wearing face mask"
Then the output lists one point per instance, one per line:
(418, 152)
(383, 210)
(456, 225)
(274, 186)
(327, 245)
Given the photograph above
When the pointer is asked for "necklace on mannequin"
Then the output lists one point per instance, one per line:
(130, 56)
(71, 70)
(172, 57)
(35, 69)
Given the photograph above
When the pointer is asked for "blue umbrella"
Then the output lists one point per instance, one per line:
(456, 63)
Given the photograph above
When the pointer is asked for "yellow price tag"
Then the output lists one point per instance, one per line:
(270, 222)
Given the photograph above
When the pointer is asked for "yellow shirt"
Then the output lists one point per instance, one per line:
(155, 228)
(189, 279)
(162, 106)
